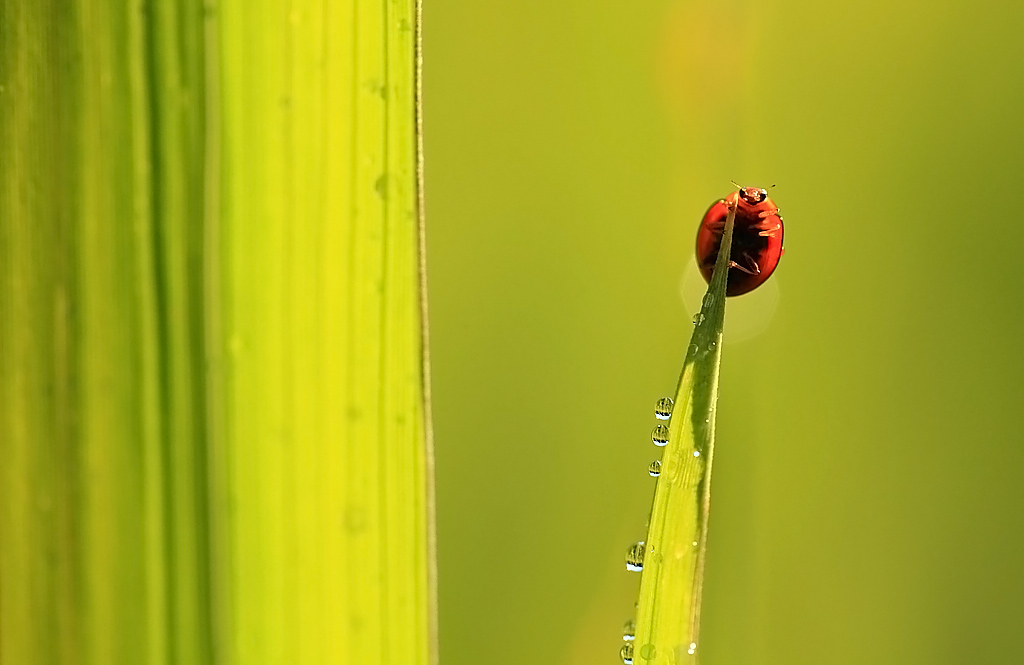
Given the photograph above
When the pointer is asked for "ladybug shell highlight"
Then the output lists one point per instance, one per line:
(756, 239)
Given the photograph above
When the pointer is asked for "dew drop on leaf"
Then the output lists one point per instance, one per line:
(635, 557)
(655, 468)
(660, 435)
(663, 409)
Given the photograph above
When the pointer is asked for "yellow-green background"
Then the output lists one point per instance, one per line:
(868, 500)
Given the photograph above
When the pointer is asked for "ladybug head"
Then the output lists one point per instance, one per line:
(753, 195)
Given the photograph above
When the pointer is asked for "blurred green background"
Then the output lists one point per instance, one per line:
(868, 500)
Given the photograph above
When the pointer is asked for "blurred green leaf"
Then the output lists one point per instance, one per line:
(213, 431)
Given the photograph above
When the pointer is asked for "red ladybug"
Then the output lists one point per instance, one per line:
(756, 239)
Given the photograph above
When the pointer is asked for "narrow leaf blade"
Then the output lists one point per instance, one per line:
(668, 611)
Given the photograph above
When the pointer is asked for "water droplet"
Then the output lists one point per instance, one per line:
(626, 654)
(635, 557)
(648, 652)
(655, 468)
(354, 519)
(695, 543)
(381, 186)
(693, 647)
(660, 435)
(698, 318)
(663, 409)
(696, 453)
(376, 87)
(628, 631)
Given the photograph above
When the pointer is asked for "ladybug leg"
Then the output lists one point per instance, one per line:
(770, 232)
(755, 271)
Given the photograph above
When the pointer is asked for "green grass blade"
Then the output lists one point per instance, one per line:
(213, 407)
(321, 453)
(668, 611)
(102, 538)
(39, 547)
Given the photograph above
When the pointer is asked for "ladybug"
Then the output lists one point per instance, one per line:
(756, 239)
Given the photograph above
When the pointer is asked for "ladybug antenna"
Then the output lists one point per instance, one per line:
(737, 185)
(772, 187)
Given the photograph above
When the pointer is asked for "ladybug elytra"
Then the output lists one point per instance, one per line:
(756, 239)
